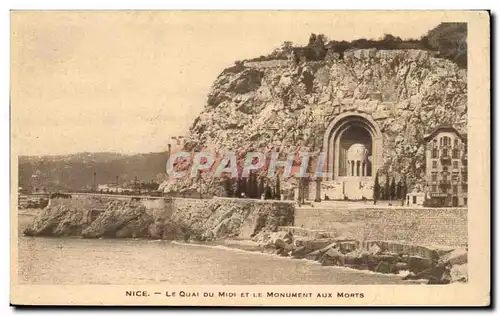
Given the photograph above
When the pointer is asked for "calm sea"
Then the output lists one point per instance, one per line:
(130, 261)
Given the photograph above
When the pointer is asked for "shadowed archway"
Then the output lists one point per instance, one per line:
(347, 131)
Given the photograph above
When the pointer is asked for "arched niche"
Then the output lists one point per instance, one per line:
(347, 129)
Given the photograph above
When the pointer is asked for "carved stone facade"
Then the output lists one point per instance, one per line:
(353, 143)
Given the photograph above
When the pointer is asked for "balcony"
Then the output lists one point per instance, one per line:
(445, 159)
(444, 185)
(464, 155)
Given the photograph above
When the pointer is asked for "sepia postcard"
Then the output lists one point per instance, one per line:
(250, 158)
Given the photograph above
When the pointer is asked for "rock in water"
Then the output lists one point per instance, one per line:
(418, 264)
(63, 219)
(456, 257)
(299, 252)
(459, 273)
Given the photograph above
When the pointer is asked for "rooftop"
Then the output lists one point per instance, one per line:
(445, 128)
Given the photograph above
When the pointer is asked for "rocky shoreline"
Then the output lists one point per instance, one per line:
(169, 219)
(437, 267)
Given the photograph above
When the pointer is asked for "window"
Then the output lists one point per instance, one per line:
(455, 176)
(445, 152)
(445, 169)
(445, 141)
(455, 144)
(455, 165)
(455, 153)
(434, 188)
(455, 189)
(465, 201)
(434, 176)
(434, 152)
(414, 200)
(434, 164)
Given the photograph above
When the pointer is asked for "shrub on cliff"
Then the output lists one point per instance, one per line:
(450, 40)
(376, 188)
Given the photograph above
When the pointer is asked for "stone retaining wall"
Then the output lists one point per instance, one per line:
(275, 63)
(422, 226)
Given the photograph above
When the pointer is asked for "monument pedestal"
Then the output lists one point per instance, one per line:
(351, 188)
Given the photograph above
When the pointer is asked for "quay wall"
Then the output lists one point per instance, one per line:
(421, 226)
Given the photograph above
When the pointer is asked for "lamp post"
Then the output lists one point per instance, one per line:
(117, 182)
(199, 183)
(169, 152)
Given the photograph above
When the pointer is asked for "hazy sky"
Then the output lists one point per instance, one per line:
(127, 81)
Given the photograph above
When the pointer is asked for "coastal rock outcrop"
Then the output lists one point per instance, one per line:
(180, 219)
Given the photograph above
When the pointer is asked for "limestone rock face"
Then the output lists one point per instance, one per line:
(287, 107)
(175, 219)
(59, 221)
(65, 218)
(121, 219)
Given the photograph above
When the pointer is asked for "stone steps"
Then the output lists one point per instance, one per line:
(309, 233)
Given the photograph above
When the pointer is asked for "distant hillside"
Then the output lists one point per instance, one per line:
(75, 171)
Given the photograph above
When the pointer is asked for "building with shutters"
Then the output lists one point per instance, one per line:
(446, 167)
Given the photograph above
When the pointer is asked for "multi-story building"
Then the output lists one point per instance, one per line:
(446, 167)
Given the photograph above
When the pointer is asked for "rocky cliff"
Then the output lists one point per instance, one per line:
(172, 219)
(286, 106)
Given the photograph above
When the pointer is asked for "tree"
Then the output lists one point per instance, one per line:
(393, 189)
(387, 188)
(237, 192)
(404, 189)
(316, 49)
(240, 187)
(252, 186)
(376, 189)
(243, 184)
(261, 187)
(312, 39)
(268, 192)
(399, 190)
(450, 40)
(277, 192)
(228, 187)
(249, 187)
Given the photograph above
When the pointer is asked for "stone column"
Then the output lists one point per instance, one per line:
(318, 190)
